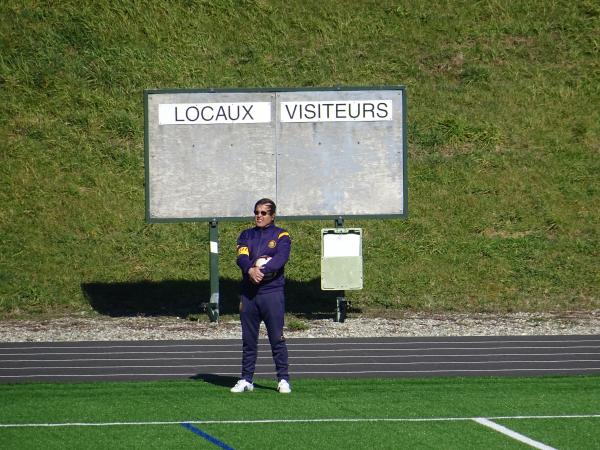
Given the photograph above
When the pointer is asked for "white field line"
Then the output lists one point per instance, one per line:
(313, 372)
(328, 357)
(278, 421)
(296, 364)
(513, 434)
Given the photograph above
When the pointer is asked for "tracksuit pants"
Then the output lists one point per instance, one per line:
(269, 308)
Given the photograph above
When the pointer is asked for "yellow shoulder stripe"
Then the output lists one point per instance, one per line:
(243, 251)
(282, 234)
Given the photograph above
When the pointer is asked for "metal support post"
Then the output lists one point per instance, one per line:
(213, 237)
(340, 312)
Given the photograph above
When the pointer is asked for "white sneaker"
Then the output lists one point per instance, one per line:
(284, 387)
(242, 386)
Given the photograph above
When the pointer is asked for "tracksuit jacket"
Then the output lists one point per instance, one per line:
(256, 242)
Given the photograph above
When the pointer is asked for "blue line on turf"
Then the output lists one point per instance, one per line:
(206, 436)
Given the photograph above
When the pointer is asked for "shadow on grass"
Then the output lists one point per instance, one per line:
(227, 381)
(183, 298)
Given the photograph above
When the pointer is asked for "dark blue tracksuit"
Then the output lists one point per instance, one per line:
(265, 301)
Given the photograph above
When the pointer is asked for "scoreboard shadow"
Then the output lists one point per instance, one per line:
(184, 298)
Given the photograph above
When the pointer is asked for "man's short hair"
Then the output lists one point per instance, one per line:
(267, 201)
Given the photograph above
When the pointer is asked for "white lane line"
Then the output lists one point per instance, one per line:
(328, 357)
(187, 352)
(266, 374)
(317, 364)
(512, 434)
(103, 367)
(267, 421)
(336, 350)
(341, 341)
(235, 342)
(180, 358)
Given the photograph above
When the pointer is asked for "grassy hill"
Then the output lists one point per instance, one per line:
(504, 149)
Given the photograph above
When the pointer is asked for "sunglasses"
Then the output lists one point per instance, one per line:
(262, 213)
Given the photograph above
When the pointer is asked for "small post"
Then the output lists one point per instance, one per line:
(340, 312)
(213, 304)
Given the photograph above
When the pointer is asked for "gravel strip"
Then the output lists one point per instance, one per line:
(71, 329)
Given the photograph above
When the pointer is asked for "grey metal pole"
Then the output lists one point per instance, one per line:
(213, 237)
(340, 311)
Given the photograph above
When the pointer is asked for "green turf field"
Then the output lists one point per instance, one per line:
(560, 412)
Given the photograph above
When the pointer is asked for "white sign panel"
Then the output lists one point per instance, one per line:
(332, 111)
(338, 245)
(213, 113)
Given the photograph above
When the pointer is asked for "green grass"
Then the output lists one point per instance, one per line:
(503, 133)
(403, 400)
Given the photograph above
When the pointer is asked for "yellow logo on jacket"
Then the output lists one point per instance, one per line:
(272, 244)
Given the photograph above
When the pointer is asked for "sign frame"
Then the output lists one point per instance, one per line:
(150, 218)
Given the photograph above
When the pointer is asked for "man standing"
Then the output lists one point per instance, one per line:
(262, 252)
